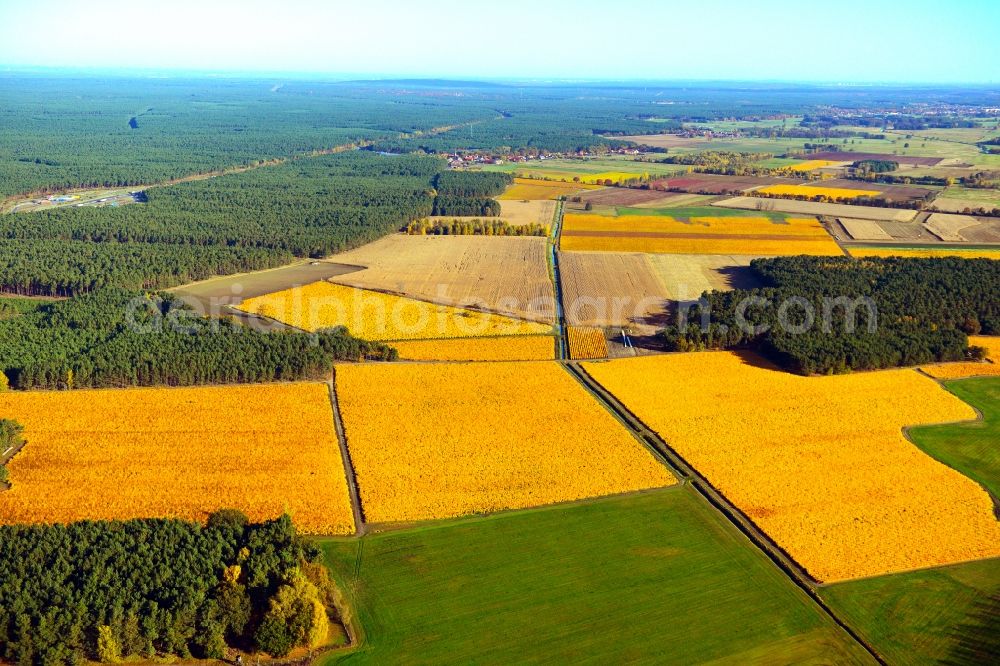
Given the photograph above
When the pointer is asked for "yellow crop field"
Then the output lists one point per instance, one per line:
(613, 176)
(811, 165)
(819, 463)
(809, 191)
(373, 315)
(469, 438)
(662, 234)
(925, 253)
(960, 370)
(529, 189)
(177, 452)
(516, 348)
(586, 342)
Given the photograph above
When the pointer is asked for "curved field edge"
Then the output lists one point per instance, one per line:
(938, 614)
(973, 447)
(443, 592)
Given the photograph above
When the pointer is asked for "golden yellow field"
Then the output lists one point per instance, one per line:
(482, 437)
(178, 452)
(517, 348)
(586, 342)
(373, 315)
(613, 176)
(809, 191)
(810, 165)
(528, 189)
(960, 370)
(662, 234)
(819, 463)
(920, 252)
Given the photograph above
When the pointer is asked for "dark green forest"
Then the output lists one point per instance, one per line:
(924, 309)
(105, 590)
(115, 338)
(240, 222)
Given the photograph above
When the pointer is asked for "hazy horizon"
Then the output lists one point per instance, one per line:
(556, 41)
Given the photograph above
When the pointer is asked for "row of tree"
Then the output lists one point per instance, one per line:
(827, 315)
(104, 591)
(116, 338)
(474, 227)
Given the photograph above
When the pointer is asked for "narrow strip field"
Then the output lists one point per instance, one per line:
(373, 315)
(482, 437)
(528, 189)
(817, 208)
(924, 252)
(665, 578)
(819, 463)
(177, 453)
(516, 348)
(700, 235)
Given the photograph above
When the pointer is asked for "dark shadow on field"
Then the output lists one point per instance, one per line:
(739, 277)
(977, 640)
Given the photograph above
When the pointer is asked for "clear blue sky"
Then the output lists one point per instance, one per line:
(836, 40)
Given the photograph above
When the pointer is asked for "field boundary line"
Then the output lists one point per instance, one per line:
(360, 527)
(750, 530)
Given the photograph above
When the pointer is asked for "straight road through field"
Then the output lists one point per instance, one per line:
(688, 474)
(352, 480)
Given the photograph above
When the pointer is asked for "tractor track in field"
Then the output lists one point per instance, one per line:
(688, 475)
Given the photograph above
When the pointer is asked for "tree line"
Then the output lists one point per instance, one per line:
(116, 338)
(240, 222)
(924, 309)
(474, 228)
(109, 590)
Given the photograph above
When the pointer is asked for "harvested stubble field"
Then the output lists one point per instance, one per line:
(178, 452)
(701, 235)
(688, 276)
(611, 289)
(586, 342)
(819, 463)
(623, 196)
(969, 369)
(508, 275)
(818, 191)
(516, 348)
(864, 229)
(479, 437)
(373, 315)
(708, 183)
(950, 227)
(817, 208)
(852, 157)
(522, 213)
(924, 252)
(677, 199)
(528, 189)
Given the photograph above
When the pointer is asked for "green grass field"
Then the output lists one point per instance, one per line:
(971, 448)
(928, 616)
(654, 577)
(973, 195)
(687, 212)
